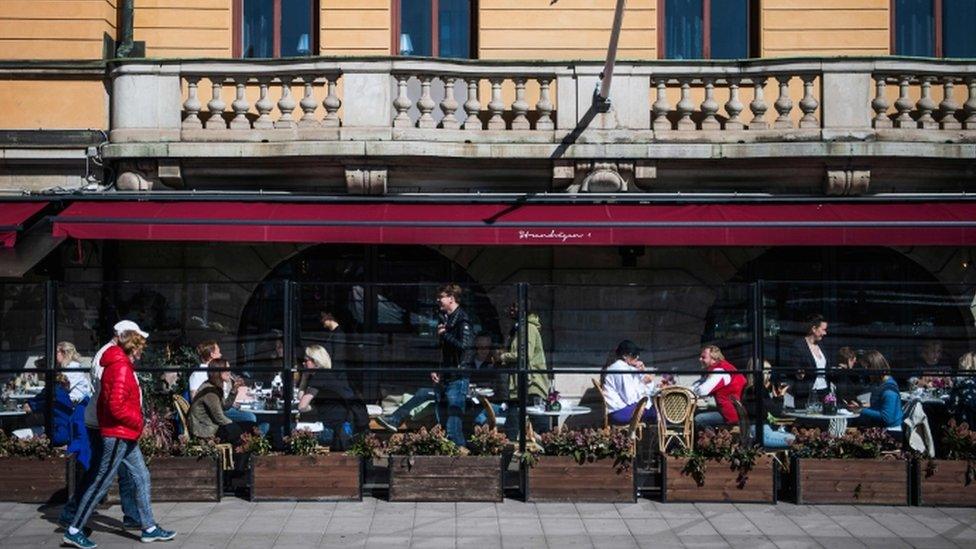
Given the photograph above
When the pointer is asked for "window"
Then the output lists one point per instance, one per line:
(435, 28)
(933, 28)
(275, 28)
(706, 29)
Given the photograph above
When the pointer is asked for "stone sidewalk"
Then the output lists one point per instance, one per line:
(373, 523)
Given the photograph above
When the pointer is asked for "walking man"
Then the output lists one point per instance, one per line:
(456, 338)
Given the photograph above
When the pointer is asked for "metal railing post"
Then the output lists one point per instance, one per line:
(522, 296)
(288, 360)
(50, 349)
(758, 328)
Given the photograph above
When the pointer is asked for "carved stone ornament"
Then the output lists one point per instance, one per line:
(602, 177)
(847, 182)
(366, 180)
(148, 174)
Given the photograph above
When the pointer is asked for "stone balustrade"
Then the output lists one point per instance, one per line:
(924, 96)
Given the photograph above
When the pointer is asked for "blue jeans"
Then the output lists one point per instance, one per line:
(453, 396)
(126, 486)
(326, 436)
(623, 415)
(709, 419)
(242, 416)
(774, 439)
(482, 416)
(422, 396)
(118, 453)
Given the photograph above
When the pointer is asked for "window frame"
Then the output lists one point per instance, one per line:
(238, 29)
(435, 46)
(752, 25)
(936, 21)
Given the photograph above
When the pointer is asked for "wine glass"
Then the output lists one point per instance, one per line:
(257, 386)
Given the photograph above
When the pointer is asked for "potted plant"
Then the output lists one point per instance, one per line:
(33, 471)
(830, 404)
(719, 469)
(590, 465)
(950, 481)
(305, 472)
(426, 466)
(859, 467)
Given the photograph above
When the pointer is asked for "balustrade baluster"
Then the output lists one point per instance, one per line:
(733, 107)
(472, 107)
(880, 103)
(783, 104)
(948, 106)
(264, 106)
(970, 105)
(308, 104)
(192, 105)
(904, 105)
(216, 105)
(661, 106)
(286, 104)
(709, 107)
(496, 106)
(402, 103)
(809, 104)
(240, 106)
(685, 107)
(331, 104)
(758, 105)
(544, 106)
(520, 107)
(426, 103)
(925, 106)
(449, 105)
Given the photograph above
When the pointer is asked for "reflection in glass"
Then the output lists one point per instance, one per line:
(729, 26)
(296, 22)
(915, 28)
(683, 29)
(257, 29)
(454, 32)
(958, 23)
(415, 18)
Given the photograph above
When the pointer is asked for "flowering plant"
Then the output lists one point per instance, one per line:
(425, 442)
(586, 446)
(830, 398)
(304, 442)
(35, 447)
(487, 441)
(863, 444)
(960, 441)
(366, 445)
(720, 446)
(254, 443)
(940, 383)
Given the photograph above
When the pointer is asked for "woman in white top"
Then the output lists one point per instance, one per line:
(625, 382)
(79, 384)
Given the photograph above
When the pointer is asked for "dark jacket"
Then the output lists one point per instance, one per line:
(848, 383)
(334, 402)
(207, 411)
(800, 356)
(61, 420)
(457, 343)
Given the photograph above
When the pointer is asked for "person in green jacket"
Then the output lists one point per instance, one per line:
(538, 377)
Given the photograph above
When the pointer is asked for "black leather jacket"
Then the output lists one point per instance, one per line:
(457, 343)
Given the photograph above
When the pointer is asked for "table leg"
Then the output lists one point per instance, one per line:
(837, 427)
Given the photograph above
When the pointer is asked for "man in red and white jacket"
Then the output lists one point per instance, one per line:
(724, 382)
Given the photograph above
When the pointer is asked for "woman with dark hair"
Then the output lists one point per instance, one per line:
(885, 408)
(625, 382)
(809, 360)
(207, 418)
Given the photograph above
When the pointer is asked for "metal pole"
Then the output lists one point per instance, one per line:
(758, 329)
(522, 297)
(50, 348)
(607, 75)
(287, 380)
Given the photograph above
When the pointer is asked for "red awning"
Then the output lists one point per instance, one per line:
(768, 224)
(12, 218)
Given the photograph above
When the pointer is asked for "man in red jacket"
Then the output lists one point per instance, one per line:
(120, 422)
(723, 382)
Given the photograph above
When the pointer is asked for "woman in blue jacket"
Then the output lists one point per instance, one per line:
(885, 409)
(63, 407)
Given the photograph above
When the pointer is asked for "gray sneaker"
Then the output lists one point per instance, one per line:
(387, 423)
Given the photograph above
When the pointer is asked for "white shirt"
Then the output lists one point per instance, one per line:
(622, 390)
(716, 378)
(197, 378)
(79, 384)
(91, 411)
(820, 383)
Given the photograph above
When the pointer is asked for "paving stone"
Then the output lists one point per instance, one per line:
(387, 542)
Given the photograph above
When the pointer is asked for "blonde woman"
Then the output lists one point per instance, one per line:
(79, 383)
(326, 397)
(962, 399)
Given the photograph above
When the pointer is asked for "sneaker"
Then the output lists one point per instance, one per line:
(386, 423)
(157, 535)
(79, 540)
(130, 523)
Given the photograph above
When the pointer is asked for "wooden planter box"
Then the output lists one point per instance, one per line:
(324, 477)
(32, 480)
(181, 479)
(721, 483)
(947, 484)
(562, 479)
(851, 481)
(446, 478)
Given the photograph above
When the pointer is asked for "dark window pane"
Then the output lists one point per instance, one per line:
(683, 29)
(258, 29)
(959, 28)
(415, 32)
(296, 28)
(454, 28)
(914, 28)
(730, 29)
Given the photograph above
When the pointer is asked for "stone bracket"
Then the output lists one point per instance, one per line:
(847, 181)
(620, 176)
(366, 180)
(148, 174)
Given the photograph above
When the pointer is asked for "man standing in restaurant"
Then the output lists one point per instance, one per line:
(456, 337)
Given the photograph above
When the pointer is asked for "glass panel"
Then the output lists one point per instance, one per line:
(958, 22)
(730, 29)
(415, 31)
(914, 28)
(22, 349)
(296, 28)
(683, 29)
(258, 29)
(454, 28)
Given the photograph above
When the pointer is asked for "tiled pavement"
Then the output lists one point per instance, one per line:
(239, 524)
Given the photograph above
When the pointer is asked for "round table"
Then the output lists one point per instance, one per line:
(559, 416)
(837, 422)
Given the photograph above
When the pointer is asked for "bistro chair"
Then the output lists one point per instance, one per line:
(636, 428)
(781, 457)
(675, 416)
(225, 449)
(603, 401)
(489, 412)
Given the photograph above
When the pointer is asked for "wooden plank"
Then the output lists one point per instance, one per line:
(561, 479)
(440, 478)
(721, 483)
(29, 480)
(853, 481)
(332, 477)
(180, 479)
(946, 485)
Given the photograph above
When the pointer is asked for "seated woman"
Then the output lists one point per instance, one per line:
(625, 382)
(79, 383)
(845, 378)
(962, 399)
(326, 397)
(885, 408)
(773, 402)
(36, 410)
(722, 381)
(207, 418)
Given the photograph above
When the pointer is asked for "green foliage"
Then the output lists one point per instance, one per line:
(432, 442)
(487, 441)
(719, 446)
(960, 443)
(587, 446)
(366, 446)
(157, 435)
(156, 392)
(36, 447)
(254, 443)
(862, 444)
(303, 442)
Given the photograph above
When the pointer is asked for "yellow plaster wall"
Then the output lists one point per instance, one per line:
(55, 29)
(355, 27)
(825, 27)
(184, 28)
(53, 105)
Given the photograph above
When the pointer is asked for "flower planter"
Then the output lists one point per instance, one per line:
(181, 479)
(562, 479)
(446, 478)
(851, 481)
(721, 483)
(945, 484)
(33, 480)
(324, 477)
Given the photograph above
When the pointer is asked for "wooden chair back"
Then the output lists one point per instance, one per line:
(745, 434)
(635, 428)
(675, 416)
(603, 401)
(182, 411)
(489, 412)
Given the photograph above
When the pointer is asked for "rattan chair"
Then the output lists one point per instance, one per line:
(603, 401)
(225, 450)
(489, 411)
(675, 416)
(634, 426)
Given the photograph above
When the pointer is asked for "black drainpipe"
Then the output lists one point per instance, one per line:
(127, 47)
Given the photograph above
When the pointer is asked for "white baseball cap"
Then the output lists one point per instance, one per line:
(129, 326)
